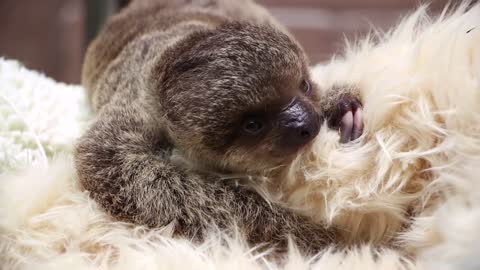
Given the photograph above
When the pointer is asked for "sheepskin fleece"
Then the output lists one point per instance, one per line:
(420, 151)
(48, 222)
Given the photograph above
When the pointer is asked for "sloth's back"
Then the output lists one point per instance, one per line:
(134, 39)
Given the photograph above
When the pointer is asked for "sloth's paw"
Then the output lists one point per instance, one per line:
(348, 118)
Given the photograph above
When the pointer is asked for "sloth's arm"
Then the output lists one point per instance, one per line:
(122, 160)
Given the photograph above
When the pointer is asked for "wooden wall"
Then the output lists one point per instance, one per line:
(47, 35)
(50, 35)
(322, 25)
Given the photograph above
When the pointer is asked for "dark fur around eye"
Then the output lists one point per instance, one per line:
(253, 125)
(305, 87)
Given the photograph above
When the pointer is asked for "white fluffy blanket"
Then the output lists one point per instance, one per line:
(48, 222)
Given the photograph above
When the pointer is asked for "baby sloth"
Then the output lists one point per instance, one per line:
(215, 85)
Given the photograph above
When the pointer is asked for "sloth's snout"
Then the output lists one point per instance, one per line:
(298, 126)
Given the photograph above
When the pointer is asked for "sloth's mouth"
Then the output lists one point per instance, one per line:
(351, 124)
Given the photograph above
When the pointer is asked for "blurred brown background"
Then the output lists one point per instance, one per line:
(51, 35)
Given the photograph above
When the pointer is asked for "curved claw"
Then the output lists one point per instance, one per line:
(357, 124)
(346, 127)
(349, 119)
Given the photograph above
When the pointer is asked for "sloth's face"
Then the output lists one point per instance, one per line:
(273, 132)
(241, 100)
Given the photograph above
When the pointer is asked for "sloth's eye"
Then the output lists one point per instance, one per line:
(305, 87)
(253, 126)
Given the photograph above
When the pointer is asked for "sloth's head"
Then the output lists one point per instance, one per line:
(240, 99)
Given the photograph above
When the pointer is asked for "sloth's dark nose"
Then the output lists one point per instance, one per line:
(299, 124)
(300, 133)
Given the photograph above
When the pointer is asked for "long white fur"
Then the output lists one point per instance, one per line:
(420, 87)
(48, 222)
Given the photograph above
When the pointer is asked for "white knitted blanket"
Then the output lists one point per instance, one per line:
(40, 118)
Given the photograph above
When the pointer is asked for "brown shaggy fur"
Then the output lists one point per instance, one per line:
(169, 80)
